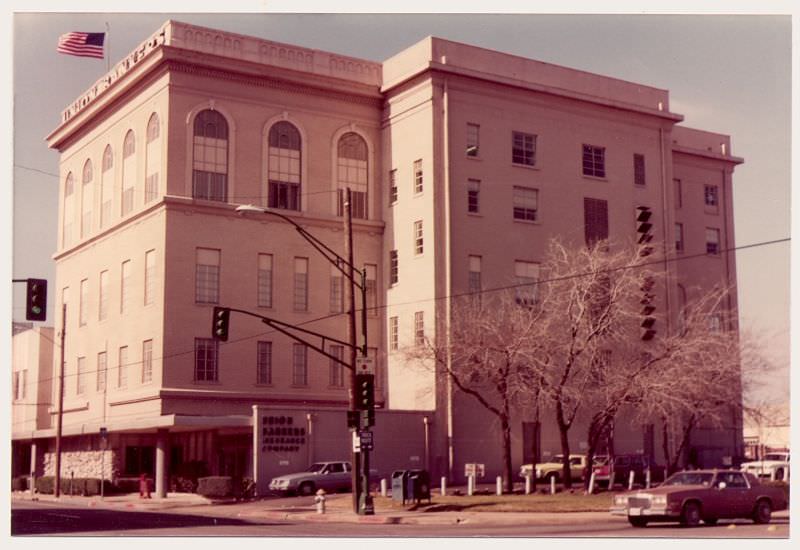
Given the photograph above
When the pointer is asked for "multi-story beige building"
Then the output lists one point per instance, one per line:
(463, 163)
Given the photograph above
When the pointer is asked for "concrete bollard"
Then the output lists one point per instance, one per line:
(443, 485)
(552, 485)
(647, 478)
(499, 485)
(470, 485)
(527, 484)
(384, 487)
(591, 484)
(630, 480)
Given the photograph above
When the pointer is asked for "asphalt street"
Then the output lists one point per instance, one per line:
(49, 518)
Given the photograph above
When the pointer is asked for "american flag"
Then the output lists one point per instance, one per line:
(82, 44)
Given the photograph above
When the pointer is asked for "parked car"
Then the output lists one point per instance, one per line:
(330, 476)
(554, 468)
(773, 465)
(707, 495)
(624, 464)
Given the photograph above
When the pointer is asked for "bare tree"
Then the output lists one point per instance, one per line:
(590, 299)
(488, 356)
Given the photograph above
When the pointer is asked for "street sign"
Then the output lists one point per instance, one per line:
(366, 440)
(474, 470)
(365, 365)
(356, 442)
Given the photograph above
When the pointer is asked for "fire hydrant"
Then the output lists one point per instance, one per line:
(320, 500)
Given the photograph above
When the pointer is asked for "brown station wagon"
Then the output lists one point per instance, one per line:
(707, 495)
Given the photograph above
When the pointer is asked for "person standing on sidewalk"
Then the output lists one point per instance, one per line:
(144, 486)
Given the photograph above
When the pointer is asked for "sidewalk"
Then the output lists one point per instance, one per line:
(338, 509)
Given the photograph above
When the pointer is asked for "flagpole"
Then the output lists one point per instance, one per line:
(108, 47)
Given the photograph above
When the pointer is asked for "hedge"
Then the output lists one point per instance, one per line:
(215, 486)
(76, 486)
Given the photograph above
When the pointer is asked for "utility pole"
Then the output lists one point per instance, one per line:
(355, 474)
(59, 421)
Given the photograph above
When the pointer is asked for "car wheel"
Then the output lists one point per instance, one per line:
(763, 511)
(690, 515)
(637, 522)
(306, 489)
(710, 521)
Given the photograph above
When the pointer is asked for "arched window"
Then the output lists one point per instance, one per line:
(128, 172)
(106, 186)
(153, 159)
(86, 199)
(210, 157)
(352, 173)
(283, 172)
(69, 211)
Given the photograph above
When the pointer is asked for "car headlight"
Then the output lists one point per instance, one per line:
(660, 500)
(538, 472)
(279, 483)
(620, 500)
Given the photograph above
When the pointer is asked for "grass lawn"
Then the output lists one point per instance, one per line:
(560, 502)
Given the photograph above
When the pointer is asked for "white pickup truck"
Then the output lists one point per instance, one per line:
(774, 465)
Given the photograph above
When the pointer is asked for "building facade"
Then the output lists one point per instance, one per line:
(448, 150)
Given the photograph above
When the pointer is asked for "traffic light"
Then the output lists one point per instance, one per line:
(36, 300)
(644, 230)
(219, 328)
(365, 392)
(648, 307)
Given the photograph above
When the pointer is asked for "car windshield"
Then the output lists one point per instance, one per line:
(317, 467)
(775, 457)
(690, 478)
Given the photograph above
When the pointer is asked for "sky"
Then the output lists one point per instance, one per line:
(725, 72)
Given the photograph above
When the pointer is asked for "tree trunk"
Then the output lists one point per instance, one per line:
(505, 426)
(563, 430)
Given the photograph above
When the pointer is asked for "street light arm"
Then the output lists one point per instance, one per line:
(336, 260)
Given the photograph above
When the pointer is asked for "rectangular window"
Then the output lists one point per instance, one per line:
(301, 284)
(473, 139)
(124, 286)
(264, 363)
(711, 194)
(475, 275)
(679, 237)
(526, 203)
(102, 371)
(712, 241)
(149, 277)
(206, 360)
(473, 196)
(336, 370)
(15, 388)
(595, 218)
(122, 369)
(594, 161)
(638, 169)
(372, 289)
(151, 187)
(80, 379)
(299, 365)
(526, 275)
(678, 186)
(394, 333)
(207, 276)
(392, 187)
(394, 267)
(337, 290)
(418, 176)
(418, 238)
(523, 149)
(147, 361)
(102, 301)
(419, 328)
(265, 280)
(83, 304)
